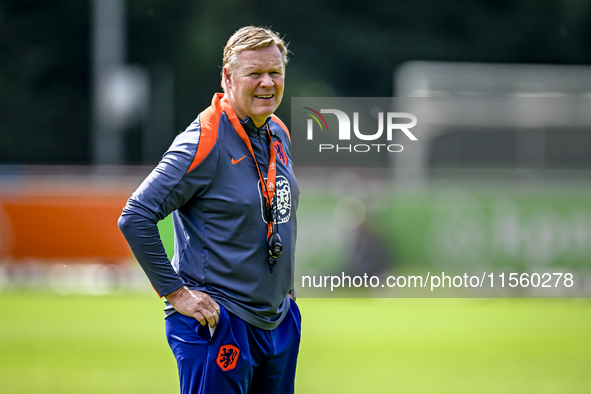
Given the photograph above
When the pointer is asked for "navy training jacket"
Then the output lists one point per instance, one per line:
(209, 182)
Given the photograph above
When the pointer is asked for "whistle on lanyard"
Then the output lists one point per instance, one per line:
(275, 247)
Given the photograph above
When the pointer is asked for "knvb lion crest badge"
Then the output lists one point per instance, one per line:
(280, 152)
(283, 194)
(227, 357)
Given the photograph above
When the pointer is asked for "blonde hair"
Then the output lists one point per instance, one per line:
(250, 38)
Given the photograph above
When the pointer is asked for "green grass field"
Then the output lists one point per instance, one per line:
(115, 344)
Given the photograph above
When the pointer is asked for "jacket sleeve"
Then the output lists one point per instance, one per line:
(167, 188)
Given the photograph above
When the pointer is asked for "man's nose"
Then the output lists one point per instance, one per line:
(266, 80)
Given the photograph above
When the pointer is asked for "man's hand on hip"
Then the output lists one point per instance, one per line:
(195, 304)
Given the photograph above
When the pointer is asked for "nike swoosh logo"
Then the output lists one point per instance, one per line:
(237, 161)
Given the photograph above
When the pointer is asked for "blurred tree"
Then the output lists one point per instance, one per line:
(44, 111)
(344, 48)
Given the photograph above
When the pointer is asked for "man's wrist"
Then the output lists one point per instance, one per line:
(175, 293)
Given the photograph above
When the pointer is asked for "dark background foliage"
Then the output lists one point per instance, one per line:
(342, 48)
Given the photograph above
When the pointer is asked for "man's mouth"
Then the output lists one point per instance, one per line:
(267, 97)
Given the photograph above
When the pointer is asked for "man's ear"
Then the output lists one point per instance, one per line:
(227, 77)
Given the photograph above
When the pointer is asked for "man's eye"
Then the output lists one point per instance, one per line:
(254, 74)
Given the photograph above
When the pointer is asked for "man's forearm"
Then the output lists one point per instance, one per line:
(144, 240)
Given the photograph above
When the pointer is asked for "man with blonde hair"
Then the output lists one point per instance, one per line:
(231, 317)
(250, 38)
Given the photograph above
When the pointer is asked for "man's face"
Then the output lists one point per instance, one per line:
(255, 87)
